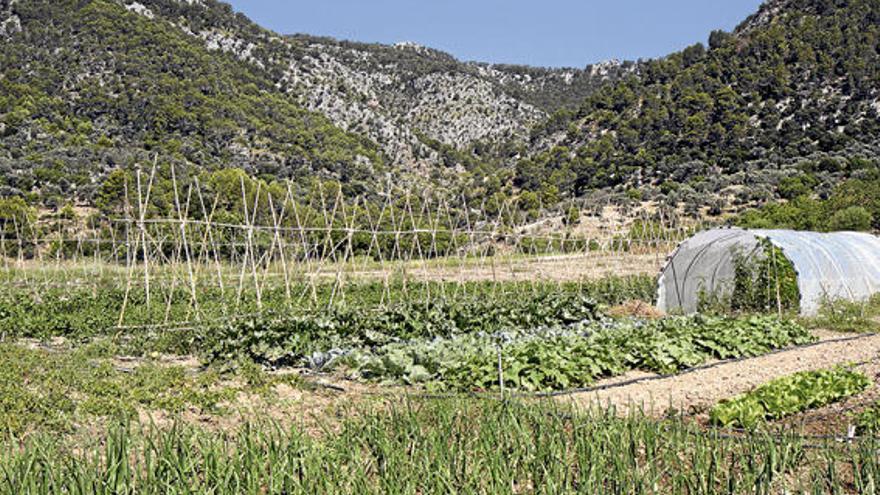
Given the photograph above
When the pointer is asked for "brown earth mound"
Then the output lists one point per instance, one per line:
(636, 309)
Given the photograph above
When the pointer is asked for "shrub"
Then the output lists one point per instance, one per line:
(854, 218)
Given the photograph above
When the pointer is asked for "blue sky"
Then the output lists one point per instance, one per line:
(551, 33)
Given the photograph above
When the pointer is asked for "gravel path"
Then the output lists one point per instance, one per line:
(695, 392)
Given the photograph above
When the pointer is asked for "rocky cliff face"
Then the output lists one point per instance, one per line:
(405, 97)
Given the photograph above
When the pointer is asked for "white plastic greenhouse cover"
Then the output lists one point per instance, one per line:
(841, 265)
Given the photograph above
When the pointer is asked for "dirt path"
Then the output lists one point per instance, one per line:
(559, 268)
(697, 391)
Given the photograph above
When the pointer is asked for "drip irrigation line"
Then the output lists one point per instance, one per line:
(741, 435)
(609, 386)
(492, 395)
(830, 441)
(688, 371)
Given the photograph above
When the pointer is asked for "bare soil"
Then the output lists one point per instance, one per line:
(556, 268)
(314, 405)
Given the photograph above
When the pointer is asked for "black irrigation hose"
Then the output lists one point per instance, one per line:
(608, 386)
(746, 436)
(742, 436)
(598, 388)
(692, 370)
(732, 434)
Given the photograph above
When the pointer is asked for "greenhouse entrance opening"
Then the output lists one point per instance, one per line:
(778, 270)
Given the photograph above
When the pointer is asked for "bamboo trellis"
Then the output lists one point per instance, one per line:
(413, 244)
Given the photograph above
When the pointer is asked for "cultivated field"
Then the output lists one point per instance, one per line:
(264, 365)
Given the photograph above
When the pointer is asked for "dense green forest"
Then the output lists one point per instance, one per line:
(793, 90)
(852, 205)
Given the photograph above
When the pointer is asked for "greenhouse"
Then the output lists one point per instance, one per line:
(769, 269)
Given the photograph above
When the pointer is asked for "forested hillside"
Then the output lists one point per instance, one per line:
(794, 90)
(786, 106)
(88, 86)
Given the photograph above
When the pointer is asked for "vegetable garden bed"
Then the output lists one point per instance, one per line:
(575, 356)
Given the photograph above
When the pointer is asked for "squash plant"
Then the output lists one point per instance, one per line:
(560, 358)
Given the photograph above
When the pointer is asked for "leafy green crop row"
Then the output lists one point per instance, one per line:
(558, 359)
(789, 395)
(284, 339)
(85, 311)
